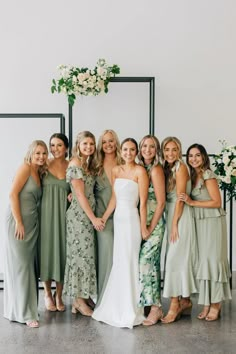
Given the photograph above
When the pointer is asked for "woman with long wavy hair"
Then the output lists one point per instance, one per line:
(108, 156)
(182, 253)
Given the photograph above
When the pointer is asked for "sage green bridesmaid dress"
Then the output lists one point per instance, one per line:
(20, 278)
(182, 256)
(53, 228)
(213, 271)
(103, 193)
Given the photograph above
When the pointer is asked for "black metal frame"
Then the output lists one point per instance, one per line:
(38, 115)
(141, 79)
(35, 115)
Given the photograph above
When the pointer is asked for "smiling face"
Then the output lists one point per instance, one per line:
(57, 148)
(195, 159)
(108, 144)
(129, 151)
(148, 150)
(171, 152)
(39, 156)
(86, 147)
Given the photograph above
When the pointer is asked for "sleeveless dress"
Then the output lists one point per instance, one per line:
(80, 272)
(119, 304)
(150, 256)
(20, 279)
(53, 228)
(182, 256)
(103, 193)
(213, 271)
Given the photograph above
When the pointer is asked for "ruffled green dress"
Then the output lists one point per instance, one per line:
(182, 256)
(20, 278)
(80, 272)
(105, 238)
(213, 271)
(150, 256)
(53, 228)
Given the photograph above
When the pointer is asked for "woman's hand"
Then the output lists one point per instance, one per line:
(98, 224)
(174, 234)
(185, 198)
(19, 231)
(145, 233)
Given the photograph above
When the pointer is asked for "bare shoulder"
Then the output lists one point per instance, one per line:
(74, 162)
(116, 170)
(24, 171)
(157, 171)
(182, 168)
(140, 170)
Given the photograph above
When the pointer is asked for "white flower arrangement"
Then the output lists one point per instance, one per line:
(76, 81)
(225, 163)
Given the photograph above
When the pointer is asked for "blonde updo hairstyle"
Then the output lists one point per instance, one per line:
(29, 155)
(89, 165)
(170, 171)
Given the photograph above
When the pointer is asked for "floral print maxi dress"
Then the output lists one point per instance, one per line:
(80, 272)
(150, 256)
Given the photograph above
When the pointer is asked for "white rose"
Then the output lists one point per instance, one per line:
(81, 77)
(225, 159)
(226, 179)
(234, 172)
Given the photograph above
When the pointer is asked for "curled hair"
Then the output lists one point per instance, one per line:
(100, 153)
(29, 155)
(62, 137)
(156, 143)
(89, 165)
(170, 171)
(205, 161)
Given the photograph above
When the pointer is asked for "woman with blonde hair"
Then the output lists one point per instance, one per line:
(80, 281)
(150, 253)
(182, 254)
(20, 278)
(108, 156)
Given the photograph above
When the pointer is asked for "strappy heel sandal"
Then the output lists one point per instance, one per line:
(83, 308)
(49, 303)
(203, 314)
(155, 315)
(59, 303)
(173, 314)
(214, 313)
(32, 324)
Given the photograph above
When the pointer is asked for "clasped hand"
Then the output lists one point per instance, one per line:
(183, 197)
(99, 224)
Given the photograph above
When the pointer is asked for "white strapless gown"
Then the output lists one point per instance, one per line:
(119, 304)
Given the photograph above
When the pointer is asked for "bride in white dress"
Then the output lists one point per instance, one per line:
(119, 304)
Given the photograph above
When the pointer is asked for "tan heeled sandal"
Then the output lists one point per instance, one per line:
(49, 303)
(213, 314)
(203, 314)
(173, 314)
(59, 303)
(155, 315)
(82, 308)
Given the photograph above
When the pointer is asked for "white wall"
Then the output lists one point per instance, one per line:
(188, 45)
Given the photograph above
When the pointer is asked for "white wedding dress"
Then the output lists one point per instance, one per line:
(119, 304)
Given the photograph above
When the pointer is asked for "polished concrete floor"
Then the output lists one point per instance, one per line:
(69, 333)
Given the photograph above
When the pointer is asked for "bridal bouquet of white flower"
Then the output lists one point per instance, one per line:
(225, 164)
(76, 81)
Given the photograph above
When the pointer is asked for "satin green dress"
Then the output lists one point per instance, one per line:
(53, 228)
(80, 272)
(213, 271)
(150, 256)
(182, 256)
(103, 193)
(20, 278)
